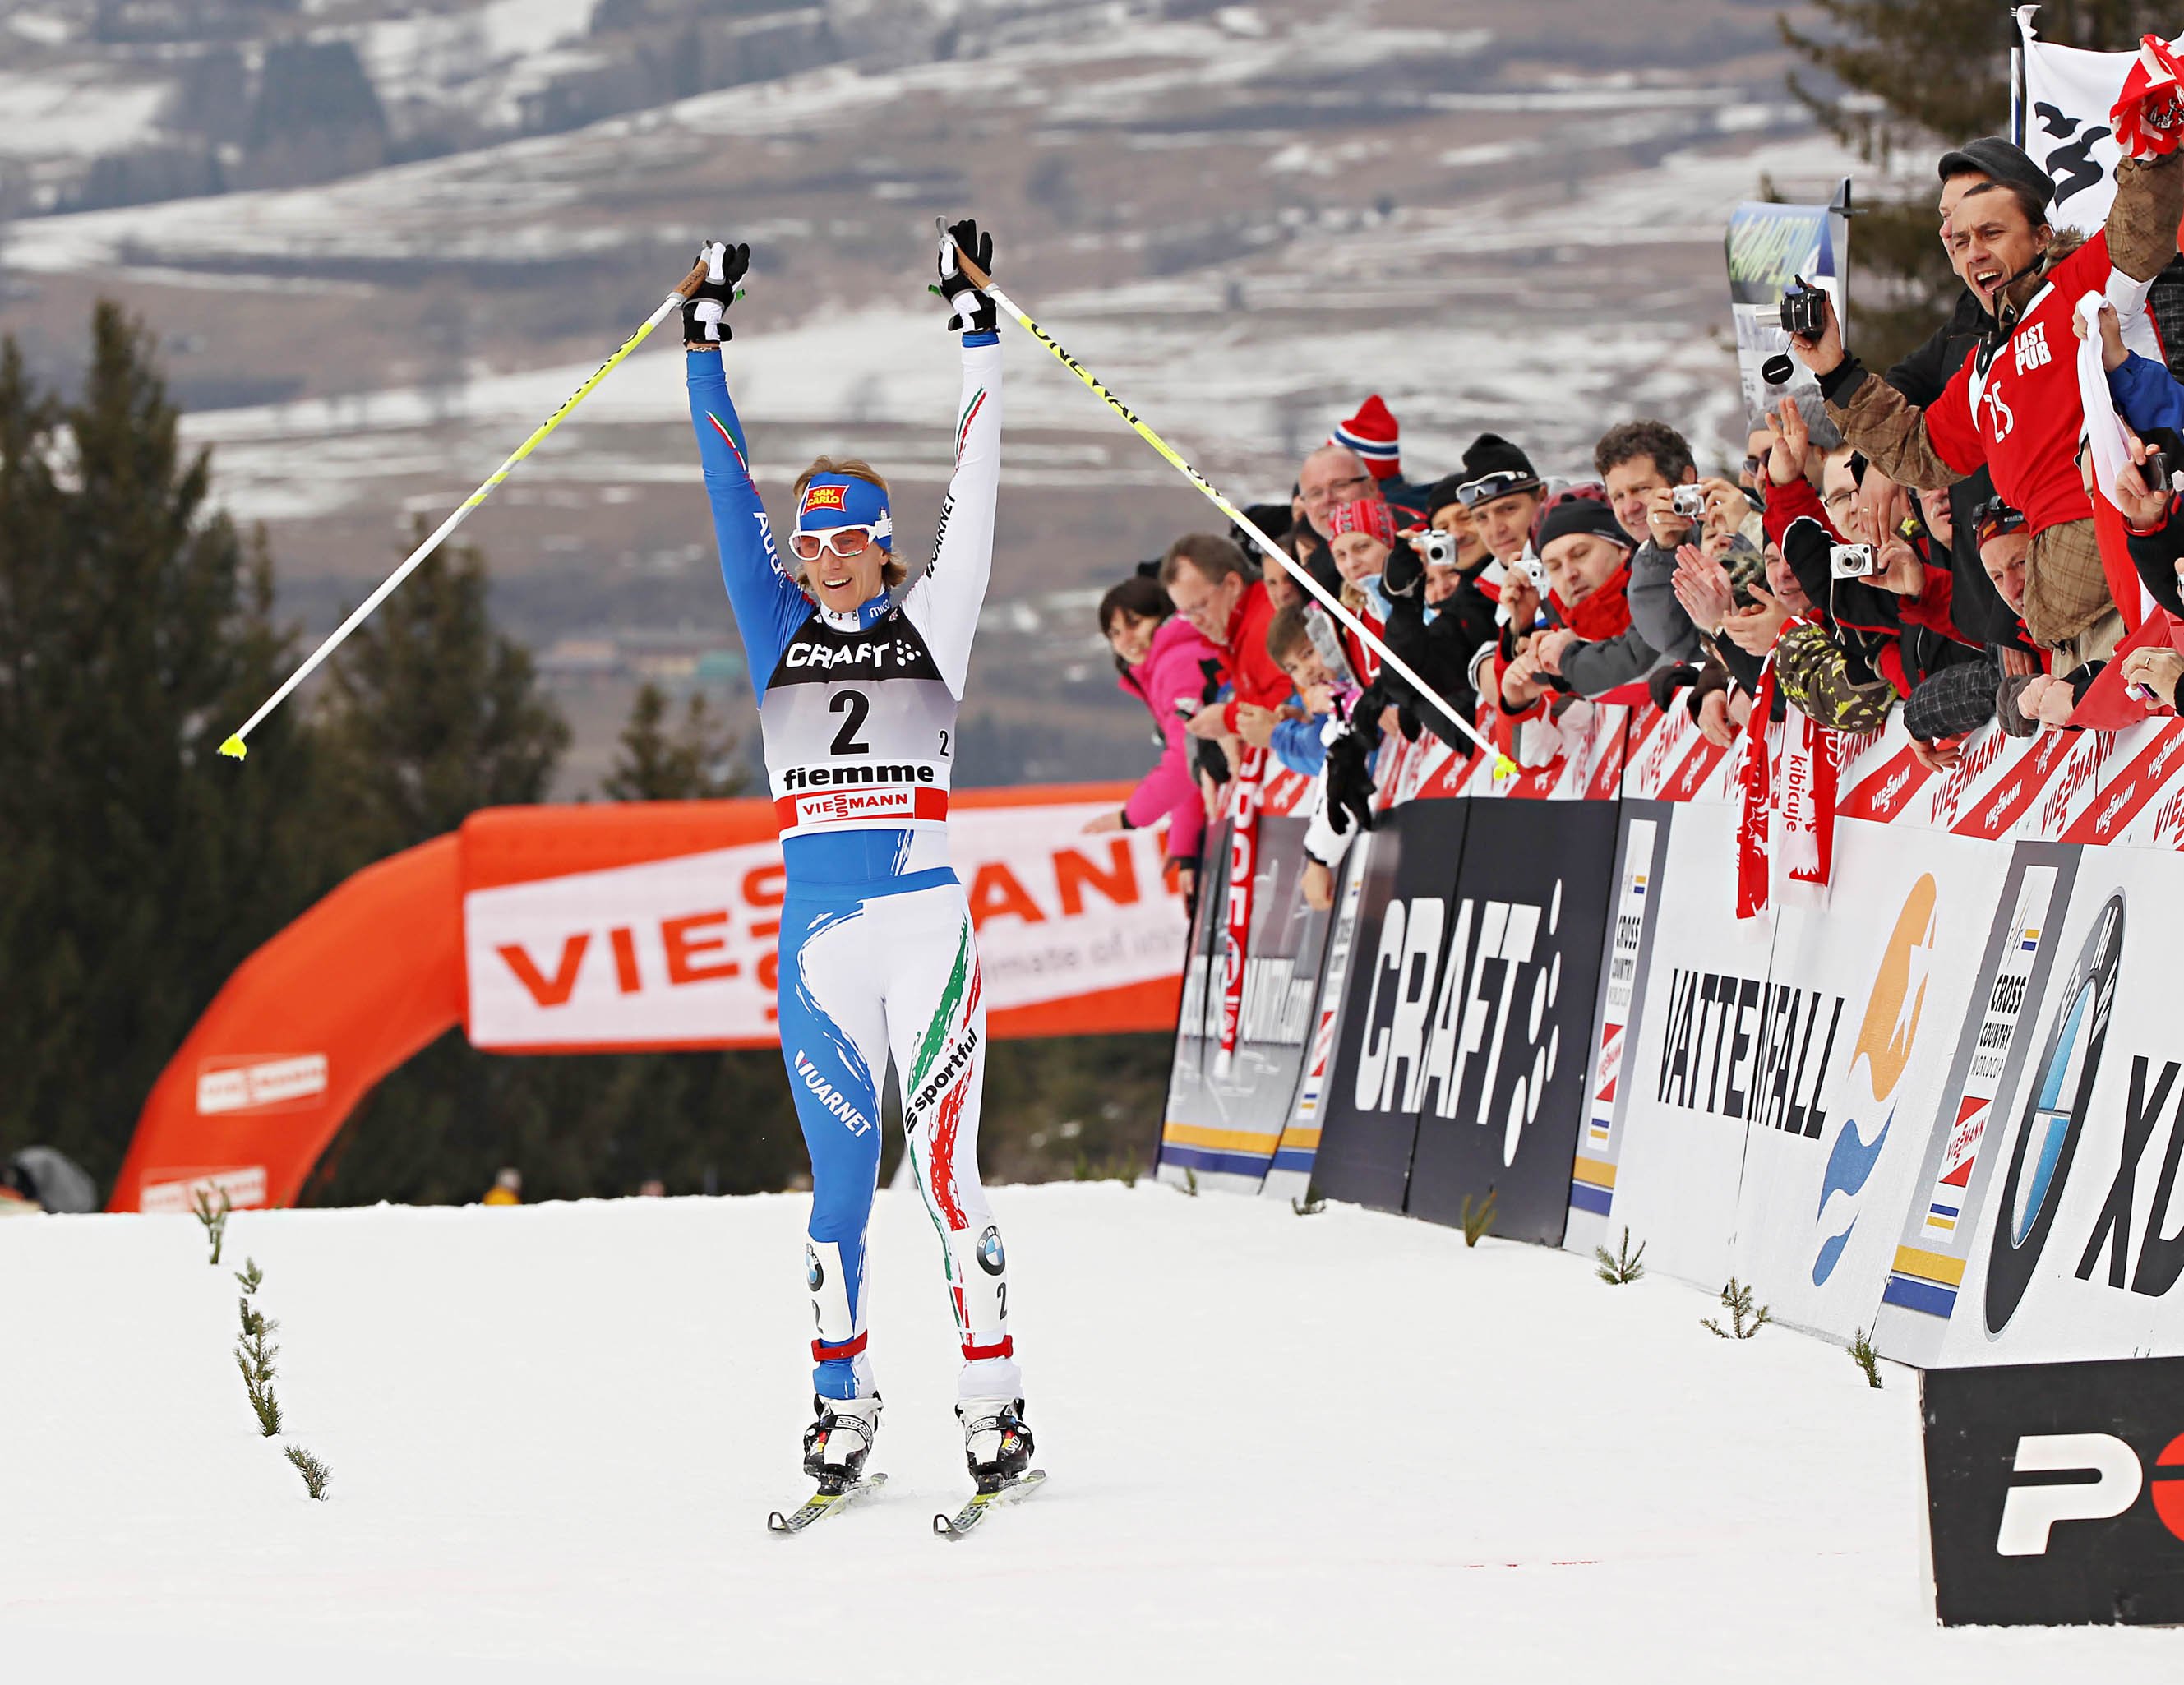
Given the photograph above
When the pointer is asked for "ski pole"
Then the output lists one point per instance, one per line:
(1503, 766)
(235, 746)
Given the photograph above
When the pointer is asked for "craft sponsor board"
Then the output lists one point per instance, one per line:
(1500, 1070)
(1371, 1111)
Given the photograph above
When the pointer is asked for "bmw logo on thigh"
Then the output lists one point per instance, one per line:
(813, 1275)
(990, 1257)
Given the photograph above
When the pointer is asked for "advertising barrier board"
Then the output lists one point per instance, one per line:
(1499, 1087)
(1371, 1111)
(1224, 1121)
(2055, 1493)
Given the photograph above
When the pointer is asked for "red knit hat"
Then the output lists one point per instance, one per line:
(1368, 515)
(1372, 433)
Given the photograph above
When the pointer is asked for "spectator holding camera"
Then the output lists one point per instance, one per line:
(1161, 659)
(2013, 405)
(1503, 493)
(1661, 504)
(1585, 554)
(1458, 565)
(1878, 623)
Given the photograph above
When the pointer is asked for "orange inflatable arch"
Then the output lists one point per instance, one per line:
(377, 970)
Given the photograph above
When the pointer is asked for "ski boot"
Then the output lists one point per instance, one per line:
(836, 1443)
(996, 1443)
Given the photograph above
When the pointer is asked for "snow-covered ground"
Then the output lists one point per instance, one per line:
(1332, 1449)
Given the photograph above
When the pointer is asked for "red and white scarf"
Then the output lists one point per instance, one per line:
(1811, 757)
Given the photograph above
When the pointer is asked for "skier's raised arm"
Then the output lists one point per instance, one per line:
(944, 604)
(768, 606)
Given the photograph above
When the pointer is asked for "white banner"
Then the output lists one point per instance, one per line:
(2046, 1223)
(683, 950)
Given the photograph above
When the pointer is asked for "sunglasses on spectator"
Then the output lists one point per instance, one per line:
(1499, 484)
(839, 540)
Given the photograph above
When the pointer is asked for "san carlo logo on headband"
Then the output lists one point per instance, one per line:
(824, 497)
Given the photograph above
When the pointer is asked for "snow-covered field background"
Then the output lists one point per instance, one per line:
(1337, 1449)
(1245, 217)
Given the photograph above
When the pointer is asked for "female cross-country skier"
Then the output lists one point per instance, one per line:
(857, 683)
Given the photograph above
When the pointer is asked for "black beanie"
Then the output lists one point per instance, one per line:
(1442, 493)
(1579, 515)
(1492, 453)
(1999, 160)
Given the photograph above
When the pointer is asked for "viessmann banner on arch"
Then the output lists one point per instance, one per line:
(636, 925)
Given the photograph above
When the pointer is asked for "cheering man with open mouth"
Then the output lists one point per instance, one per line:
(858, 682)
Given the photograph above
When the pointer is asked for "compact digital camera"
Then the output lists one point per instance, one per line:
(1435, 549)
(1688, 501)
(1853, 561)
(1804, 309)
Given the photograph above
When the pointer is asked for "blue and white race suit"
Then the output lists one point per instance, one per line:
(858, 713)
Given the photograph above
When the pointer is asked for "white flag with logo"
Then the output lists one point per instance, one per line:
(2068, 93)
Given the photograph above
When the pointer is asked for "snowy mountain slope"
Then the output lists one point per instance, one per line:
(1245, 218)
(554, 1433)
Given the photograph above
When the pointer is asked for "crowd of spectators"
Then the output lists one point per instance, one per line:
(1923, 538)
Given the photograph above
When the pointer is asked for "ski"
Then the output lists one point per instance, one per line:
(820, 1505)
(973, 1513)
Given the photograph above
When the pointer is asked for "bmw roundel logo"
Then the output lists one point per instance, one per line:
(2056, 1099)
(991, 1257)
(814, 1275)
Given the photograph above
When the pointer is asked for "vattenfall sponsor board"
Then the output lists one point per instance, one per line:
(1818, 1210)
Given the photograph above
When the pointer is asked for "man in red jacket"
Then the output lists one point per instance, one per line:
(1218, 591)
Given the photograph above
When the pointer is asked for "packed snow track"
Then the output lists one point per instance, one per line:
(1332, 1448)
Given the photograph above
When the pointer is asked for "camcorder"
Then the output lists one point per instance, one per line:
(1688, 501)
(1437, 549)
(1804, 309)
(1853, 561)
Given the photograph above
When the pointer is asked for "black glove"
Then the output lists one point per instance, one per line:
(703, 319)
(1403, 574)
(974, 311)
(1349, 783)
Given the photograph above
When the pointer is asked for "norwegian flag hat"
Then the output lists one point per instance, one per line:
(1372, 433)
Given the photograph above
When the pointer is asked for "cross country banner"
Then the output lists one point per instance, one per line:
(1769, 246)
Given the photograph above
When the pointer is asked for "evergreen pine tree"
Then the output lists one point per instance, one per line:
(1918, 77)
(693, 761)
(135, 632)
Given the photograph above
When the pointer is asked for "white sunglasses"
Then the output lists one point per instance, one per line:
(840, 541)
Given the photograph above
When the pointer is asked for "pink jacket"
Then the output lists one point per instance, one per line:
(1170, 671)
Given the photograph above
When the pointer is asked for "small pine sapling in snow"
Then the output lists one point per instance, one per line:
(1189, 1182)
(1476, 1220)
(251, 1276)
(315, 1473)
(1313, 1203)
(1623, 1265)
(1863, 1354)
(214, 1217)
(1736, 1299)
(254, 1358)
